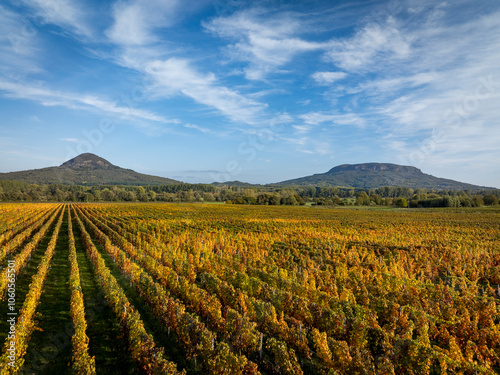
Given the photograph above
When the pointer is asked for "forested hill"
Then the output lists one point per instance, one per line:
(375, 175)
(86, 169)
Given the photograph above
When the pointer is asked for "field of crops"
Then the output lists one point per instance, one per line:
(227, 289)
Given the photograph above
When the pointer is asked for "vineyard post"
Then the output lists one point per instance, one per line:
(260, 346)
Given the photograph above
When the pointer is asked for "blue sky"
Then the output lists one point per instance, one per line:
(257, 91)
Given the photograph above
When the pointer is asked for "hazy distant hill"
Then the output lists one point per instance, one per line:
(374, 175)
(86, 169)
(233, 183)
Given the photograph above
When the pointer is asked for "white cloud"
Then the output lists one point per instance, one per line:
(177, 76)
(67, 14)
(327, 78)
(135, 31)
(18, 44)
(49, 97)
(265, 43)
(135, 21)
(302, 129)
(308, 145)
(371, 46)
(315, 118)
(414, 79)
(450, 123)
(459, 61)
(199, 128)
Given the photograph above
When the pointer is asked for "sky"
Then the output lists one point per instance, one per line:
(255, 91)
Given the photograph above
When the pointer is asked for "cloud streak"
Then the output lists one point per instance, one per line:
(18, 44)
(68, 14)
(135, 21)
(266, 44)
(177, 75)
(49, 97)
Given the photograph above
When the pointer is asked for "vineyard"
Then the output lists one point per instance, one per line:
(226, 289)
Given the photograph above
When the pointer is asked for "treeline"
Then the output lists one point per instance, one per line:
(255, 195)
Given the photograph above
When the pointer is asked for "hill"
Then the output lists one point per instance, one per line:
(86, 169)
(375, 175)
(233, 183)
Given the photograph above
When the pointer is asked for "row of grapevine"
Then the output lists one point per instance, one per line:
(20, 219)
(24, 255)
(198, 341)
(142, 345)
(82, 362)
(20, 238)
(13, 214)
(263, 314)
(25, 324)
(237, 326)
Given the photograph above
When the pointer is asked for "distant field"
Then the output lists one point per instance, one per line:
(229, 289)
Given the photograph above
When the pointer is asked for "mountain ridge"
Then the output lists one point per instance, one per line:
(86, 169)
(375, 175)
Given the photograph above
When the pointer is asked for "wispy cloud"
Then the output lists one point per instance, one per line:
(327, 78)
(315, 118)
(135, 21)
(49, 97)
(199, 128)
(265, 43)
(72, 140)
(309, 145)
(18, 44)
(135, 32)
(435, 104)
(394, 84)
(67, 14)
(177, 75)
(458, 62)
(370, 46)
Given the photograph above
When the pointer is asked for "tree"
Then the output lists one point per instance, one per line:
(129, 196)
(362, 199)
(299, 200)
(477, 201)
(490, 200)
(376, 198)
(401, 203)
(289, 201)
(107, 195)
(274, 200)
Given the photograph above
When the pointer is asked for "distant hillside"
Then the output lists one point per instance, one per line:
(86, 169)
(234, 183)
(375, 175)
